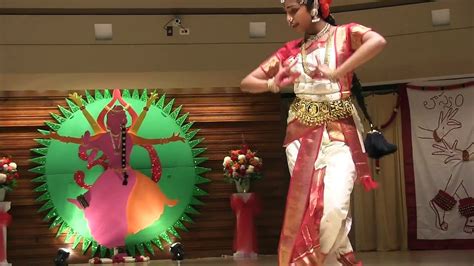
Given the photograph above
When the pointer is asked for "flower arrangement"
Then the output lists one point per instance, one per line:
(8, 173)
(241, 167)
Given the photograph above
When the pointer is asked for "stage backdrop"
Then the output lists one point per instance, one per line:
(439, 165)
(221, 114)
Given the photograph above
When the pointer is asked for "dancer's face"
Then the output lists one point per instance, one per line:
(297, 16)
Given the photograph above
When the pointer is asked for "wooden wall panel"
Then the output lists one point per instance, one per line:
(223, 115)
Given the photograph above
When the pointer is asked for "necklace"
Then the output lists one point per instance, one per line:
(317, 36)
(116, 147)
(306, 69)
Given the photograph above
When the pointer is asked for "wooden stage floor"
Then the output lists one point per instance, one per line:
(394, 258)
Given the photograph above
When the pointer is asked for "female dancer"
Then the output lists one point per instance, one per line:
(322, 142)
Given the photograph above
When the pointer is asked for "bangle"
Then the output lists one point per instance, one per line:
(127, 106)
(332, 76)
(82, 107)
(272, 86)
(107, 108)
(145, 109)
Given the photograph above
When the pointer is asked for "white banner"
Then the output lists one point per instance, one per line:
(442, 127)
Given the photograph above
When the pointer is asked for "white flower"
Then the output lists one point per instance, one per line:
(241, 157)
(227, 161)
(250, 169)
(13, 165)
(5, 167)
(256, 159)
(3, 178)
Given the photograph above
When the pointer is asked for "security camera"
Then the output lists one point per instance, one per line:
(177, 22)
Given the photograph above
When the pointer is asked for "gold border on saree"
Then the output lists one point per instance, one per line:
(313, 113)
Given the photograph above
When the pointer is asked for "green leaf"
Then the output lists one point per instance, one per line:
(144, 96)
(180, 225)
(166, 237)
(51, 214)
(160, 103)
(61, 229)
(69, 235)
(76, 241)
(38, 169)
(176, 111)
(157, 242)
(94, 247)
(197, 151)
(89, 97)
(186, 127)
(194, 143)
(42, 151)
(65, 111)
(98, 95)
(57, 221)
(173, 231)
(141, 248)
(107, 94)
(201, 180)
(200, 170)
(85, 245)
(58, 118)
(199, 160)
(135, 94)
(191, 210)
(149, 247)
(103, 251)
(168, 107)
(191, 134)
(43, 187)
(72, 105)
(186, 218)
(53, 126)
(45, 196)
(181, 119)
(131, 250)
(48, 205)
(195, 201)
(39, 160)
(126, 94)
(199, 192)
(39, 179)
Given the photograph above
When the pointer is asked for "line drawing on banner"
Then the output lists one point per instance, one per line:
(453, 157)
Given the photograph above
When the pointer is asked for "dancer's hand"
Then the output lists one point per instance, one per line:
(323, 71)
(285, 76)
(272, 66)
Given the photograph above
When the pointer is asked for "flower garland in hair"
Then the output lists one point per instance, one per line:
(324, 6)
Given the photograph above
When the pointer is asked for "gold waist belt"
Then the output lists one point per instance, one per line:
(313, 113)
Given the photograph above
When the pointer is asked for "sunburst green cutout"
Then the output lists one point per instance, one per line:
(179, 180)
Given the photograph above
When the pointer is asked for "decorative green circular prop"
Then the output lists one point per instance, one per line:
(58, 162)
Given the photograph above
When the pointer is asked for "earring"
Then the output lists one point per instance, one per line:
(314, 15)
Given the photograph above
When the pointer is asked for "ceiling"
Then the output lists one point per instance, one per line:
(162, 7)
